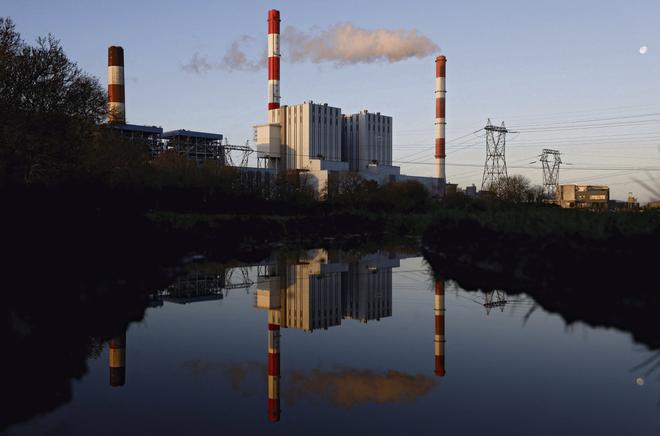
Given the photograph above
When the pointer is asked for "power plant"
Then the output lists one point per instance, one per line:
(315, 140)
(324, 143)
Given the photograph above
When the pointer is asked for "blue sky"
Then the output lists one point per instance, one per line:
(565, 74)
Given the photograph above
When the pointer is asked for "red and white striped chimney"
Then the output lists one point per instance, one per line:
(439, 328)
(273, 372)
(440, 91)
(116, 102)
(273, 59)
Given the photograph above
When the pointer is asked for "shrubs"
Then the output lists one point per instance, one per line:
(352, 192)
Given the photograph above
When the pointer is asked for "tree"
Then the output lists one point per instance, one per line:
(513, 189)
(49, 108)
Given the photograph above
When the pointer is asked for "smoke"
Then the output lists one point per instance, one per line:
(345, 44)
(234, 59)
(341, 45)
(350, 387)
(198, 64)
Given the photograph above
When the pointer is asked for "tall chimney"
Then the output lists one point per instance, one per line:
(439, 328)
(440, 91)
(116, 102)
(273, 372)
(273, 59)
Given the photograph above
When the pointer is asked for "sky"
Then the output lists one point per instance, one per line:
(566, 75)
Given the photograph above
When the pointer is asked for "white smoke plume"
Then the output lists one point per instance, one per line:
(342, 44)
(345, 44)
(234, 59)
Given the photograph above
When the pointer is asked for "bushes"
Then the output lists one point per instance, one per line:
(352, 192)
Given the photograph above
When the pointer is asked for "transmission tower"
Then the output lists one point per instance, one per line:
(495, 166)
(550, 161)
(243, 152)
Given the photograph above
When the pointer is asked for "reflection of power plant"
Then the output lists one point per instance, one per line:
(207, 284)
(117, 360)
(314, 292)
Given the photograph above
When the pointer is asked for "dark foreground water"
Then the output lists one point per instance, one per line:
(324, 343)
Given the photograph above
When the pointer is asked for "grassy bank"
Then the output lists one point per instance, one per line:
(541, 246)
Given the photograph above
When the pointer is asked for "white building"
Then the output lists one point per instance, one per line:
(367, 140)
(319, 141)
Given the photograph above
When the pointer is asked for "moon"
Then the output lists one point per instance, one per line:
(643, 49)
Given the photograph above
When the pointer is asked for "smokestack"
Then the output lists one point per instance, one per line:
(273, 372)
(440, 92)
(439, 328)
(116, 102)
(273, 59)
(117, 360)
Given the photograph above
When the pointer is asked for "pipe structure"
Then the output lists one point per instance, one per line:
(116, 97)
(273, 59)
(117, 360)
(440, 92)
(439, 309)
(273, 372)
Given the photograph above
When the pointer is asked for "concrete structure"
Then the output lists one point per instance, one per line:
(116, 94)
(440, 93)
(595, 197)
(366, 140)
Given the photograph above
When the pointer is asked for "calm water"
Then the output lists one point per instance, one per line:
(320, 343)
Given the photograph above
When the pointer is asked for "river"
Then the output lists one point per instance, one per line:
(329, 342)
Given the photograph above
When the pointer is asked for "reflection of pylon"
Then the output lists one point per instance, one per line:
(495, 165)
(494, 299)
(439, 309)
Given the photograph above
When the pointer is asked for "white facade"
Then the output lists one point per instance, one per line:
(367, 140)
(309, 131)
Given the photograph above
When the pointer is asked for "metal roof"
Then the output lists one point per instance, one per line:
(136, 128)
(191, 134)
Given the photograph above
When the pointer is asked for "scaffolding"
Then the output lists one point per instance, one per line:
(147, 136)
(199, 147)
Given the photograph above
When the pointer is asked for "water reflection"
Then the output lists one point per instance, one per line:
(223, 316)
(117, 360)
(317, 291)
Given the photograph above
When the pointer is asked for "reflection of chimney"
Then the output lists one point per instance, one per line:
(439, 328)
(273, 59)
(117, 357)
(273, 372)
(116, 99)
(440, 93)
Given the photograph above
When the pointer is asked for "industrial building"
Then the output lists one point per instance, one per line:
(316, 140)
(320, 141)
(196, 146)
(594, 197)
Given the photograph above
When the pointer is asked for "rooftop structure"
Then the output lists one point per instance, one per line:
(195, 146)
(595, 197)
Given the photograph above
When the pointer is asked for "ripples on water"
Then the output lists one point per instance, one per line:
(323, 342)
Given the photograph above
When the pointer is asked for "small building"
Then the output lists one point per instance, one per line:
(593, 197)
